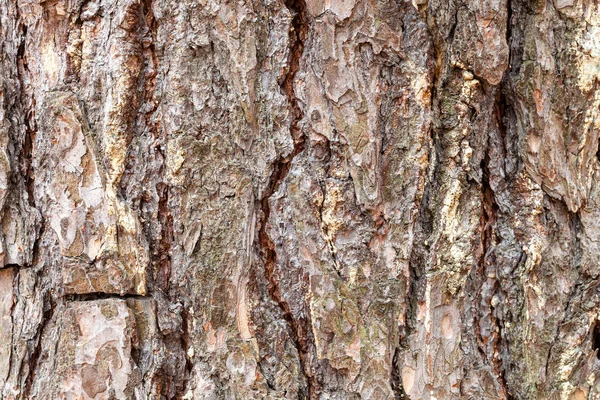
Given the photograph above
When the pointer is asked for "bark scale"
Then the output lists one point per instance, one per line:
(212, 199)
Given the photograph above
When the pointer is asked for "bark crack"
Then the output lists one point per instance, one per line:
(162, 256)
(48, 314)
(488, 218)
(160, 247)
(299, 332)
(396, 377)
(30, 129)
(25, 153)
(101, 296)
(422, 230)
(490, 209)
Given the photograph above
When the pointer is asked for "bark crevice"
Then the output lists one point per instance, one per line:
(101, 296)
(48, 314)
(300, 331)
(489, 210)
(396, 377)
(193, 145)
(162, 256)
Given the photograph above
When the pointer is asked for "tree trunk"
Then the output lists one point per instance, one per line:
(341, 199)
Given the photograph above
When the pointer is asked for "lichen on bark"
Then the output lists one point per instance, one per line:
(212, 199)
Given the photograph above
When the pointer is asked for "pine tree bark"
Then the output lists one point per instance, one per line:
(341, 199)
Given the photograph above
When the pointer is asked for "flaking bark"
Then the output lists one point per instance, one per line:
(299, 199)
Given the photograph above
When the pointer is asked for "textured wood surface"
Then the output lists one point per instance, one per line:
(314, 199)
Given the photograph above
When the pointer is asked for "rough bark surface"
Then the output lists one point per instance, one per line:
(315, 199)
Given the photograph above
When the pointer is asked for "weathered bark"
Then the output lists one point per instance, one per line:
(315, 199)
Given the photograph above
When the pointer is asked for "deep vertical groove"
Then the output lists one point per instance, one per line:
(297, 37)
(160, 248)
(48, 314)
(25, 152)
(30, 131)
(25, 173)
(299, 331)
(424, 219)
(170, 383)
(162, 255)
(489, 210)
(509, 14)
(396, 377)
(185, 341)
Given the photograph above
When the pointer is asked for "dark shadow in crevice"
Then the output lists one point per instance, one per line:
(596, 339)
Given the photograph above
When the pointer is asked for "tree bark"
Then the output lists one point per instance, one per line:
(341, 199)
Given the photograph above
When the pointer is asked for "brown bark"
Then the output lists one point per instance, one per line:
(211, 199)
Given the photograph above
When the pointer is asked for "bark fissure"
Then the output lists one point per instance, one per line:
(101, 296)
(185, 341)
(509, 33)
(25, 152)
(49, 307)
(29, 119)
(489, 216)
(489, 210)
(297, 36)
(300, 332)
(15, 289)
(396, 377)
(596, 338)
(184, 150)
(423, 223)
(162, 255)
